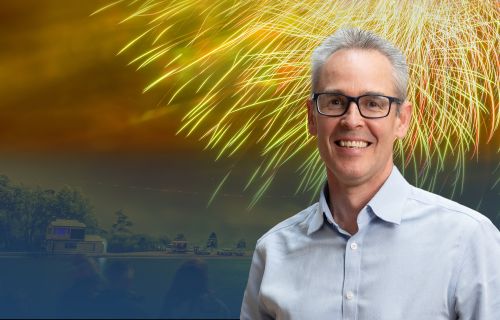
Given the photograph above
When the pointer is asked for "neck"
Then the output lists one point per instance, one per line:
(347, 200)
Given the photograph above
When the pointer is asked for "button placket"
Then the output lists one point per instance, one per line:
(351, 276)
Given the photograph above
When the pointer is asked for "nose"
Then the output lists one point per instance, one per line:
(352, 118)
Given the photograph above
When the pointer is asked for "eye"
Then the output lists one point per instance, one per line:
(373, 104)
(335, 102)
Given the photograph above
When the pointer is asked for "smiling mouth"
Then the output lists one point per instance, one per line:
(352, 144)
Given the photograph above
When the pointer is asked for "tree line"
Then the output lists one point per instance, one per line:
(122, 239)
(25, 213)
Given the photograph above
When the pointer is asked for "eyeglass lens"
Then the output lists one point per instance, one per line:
(369, 106)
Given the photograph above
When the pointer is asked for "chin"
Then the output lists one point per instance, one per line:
(350, 173)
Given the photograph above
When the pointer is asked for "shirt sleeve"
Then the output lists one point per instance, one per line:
(252, 307)
(477, 291)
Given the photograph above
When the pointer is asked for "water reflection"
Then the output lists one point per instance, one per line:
(189, 295)
(79, 299)
(118, 298)
(66, 286)
(12, 302)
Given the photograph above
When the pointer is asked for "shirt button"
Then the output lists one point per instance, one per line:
(349, 295)
(354, 246)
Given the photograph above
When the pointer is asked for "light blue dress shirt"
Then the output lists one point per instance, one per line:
(416, 255)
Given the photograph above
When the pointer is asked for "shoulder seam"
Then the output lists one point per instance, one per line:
(440, 205)
(292, 223)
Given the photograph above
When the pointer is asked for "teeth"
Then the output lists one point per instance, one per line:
(353, 144)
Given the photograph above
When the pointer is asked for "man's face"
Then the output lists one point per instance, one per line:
(355, 72)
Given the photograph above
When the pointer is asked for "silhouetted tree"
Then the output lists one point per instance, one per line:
(212, 241)
(122, 224)
(72, 204)
(7, 212)
(35, 213)
(143, 242)
(163, 242)
(180, 237)
(121, 237)
(242, 244)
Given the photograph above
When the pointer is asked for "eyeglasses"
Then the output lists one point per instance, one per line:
(370, 106)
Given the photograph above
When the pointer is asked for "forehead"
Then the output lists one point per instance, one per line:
(356, 72)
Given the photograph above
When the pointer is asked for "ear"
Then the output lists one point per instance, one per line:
(404, 118)
(311, 118)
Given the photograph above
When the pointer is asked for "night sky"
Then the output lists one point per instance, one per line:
(72, 112)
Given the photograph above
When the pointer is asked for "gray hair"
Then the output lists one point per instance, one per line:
(360, 39)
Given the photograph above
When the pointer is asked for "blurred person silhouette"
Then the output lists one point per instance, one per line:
(189, 296)
(13, 302)
(79, 299)
(118, 299)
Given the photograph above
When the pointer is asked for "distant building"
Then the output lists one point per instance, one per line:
(199, 251)
(68, 236)
(179, 246)
(225, 252)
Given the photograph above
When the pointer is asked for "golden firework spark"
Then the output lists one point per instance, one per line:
(248, 63)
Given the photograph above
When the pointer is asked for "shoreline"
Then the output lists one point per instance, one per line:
(146, 254)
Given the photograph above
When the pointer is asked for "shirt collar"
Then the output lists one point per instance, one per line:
(387, 204)
(317, 219)
(322, 212)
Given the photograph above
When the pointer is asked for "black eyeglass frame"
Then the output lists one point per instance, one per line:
(356, 101)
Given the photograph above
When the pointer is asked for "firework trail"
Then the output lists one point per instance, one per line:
(246, 65)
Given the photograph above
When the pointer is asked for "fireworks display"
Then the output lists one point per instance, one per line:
(241, 71)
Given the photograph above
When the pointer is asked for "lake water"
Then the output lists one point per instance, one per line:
(33, 286)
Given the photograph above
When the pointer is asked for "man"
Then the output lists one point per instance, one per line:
(373, 247)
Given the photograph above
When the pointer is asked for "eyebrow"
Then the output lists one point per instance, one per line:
(374, 93)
